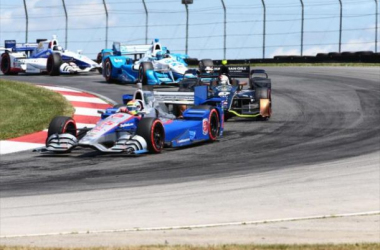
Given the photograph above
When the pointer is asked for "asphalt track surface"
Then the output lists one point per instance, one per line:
(319, 154)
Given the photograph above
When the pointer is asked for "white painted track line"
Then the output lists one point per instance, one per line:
(84, 99)
(87, 111)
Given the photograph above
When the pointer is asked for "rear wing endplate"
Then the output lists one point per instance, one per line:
(12, 45)
(131, 49)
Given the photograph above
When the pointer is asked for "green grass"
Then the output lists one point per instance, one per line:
(361, 246)
(25, 108)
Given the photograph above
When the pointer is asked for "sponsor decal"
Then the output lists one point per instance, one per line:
(118, 60)
(126, 125)
(183, 140)
(205, 125)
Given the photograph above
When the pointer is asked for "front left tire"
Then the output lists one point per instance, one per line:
(53, 64)
(6, 65)
(152, 130)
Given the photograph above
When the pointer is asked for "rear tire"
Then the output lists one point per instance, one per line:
(53, 64)
(108, 70)
(152, 130)
(99, 60)
(144, 67)
(214, 126)
(213, 121)
(264, 93)
(62, 125)
(6, 65)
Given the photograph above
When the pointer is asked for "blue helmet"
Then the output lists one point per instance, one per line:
(159, 55)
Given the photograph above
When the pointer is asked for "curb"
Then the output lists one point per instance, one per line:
(86, 105)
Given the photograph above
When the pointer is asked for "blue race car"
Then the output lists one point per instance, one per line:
(151, 64)
(146, 123)
(254, 102)
(43, 56)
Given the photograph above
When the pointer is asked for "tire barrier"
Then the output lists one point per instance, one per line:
(332, 57)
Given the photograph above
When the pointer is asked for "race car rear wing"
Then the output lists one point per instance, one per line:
(124, 49)
(235, 72)
(198, 97)
(12, 45)
(186, 98)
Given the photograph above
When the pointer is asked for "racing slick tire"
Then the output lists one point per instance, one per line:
(264, 93)
(108, 71)
(144, 67)
(99, 60)
(53, 64)
(152, 130)
(62, 125)
(213, 122)
(6, 64)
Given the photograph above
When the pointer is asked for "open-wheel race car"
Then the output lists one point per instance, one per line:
(43, 56)
(146, 122)
(252, 102)
(150, 64)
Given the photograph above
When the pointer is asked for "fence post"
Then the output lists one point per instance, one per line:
(302, 21)
(225, 29)
(106, 10)
(146, 22)
(376, 13)
(264, 22)
(27, 22)
(340, 26)
(64, 7)
(187, 27)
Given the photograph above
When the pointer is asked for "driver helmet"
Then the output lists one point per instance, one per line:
(223, 80)
(134, 107)
(159, 55)
(209, 69)
(57, 48)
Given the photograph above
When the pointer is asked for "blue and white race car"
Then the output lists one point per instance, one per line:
(148, 122)
(151, 64)
(43, 56)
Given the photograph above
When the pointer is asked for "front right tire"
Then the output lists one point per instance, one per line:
(144, 67)
(62, 125)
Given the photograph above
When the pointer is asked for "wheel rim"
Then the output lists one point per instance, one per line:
(70, 128)
(157, 137)
(108, 69)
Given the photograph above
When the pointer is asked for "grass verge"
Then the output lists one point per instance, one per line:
(359, 246)
(25, 108)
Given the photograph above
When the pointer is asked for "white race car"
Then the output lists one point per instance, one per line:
(43, 56)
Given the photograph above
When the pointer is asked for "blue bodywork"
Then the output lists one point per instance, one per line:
(124, 70)
(33, 50)
(179, 132)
